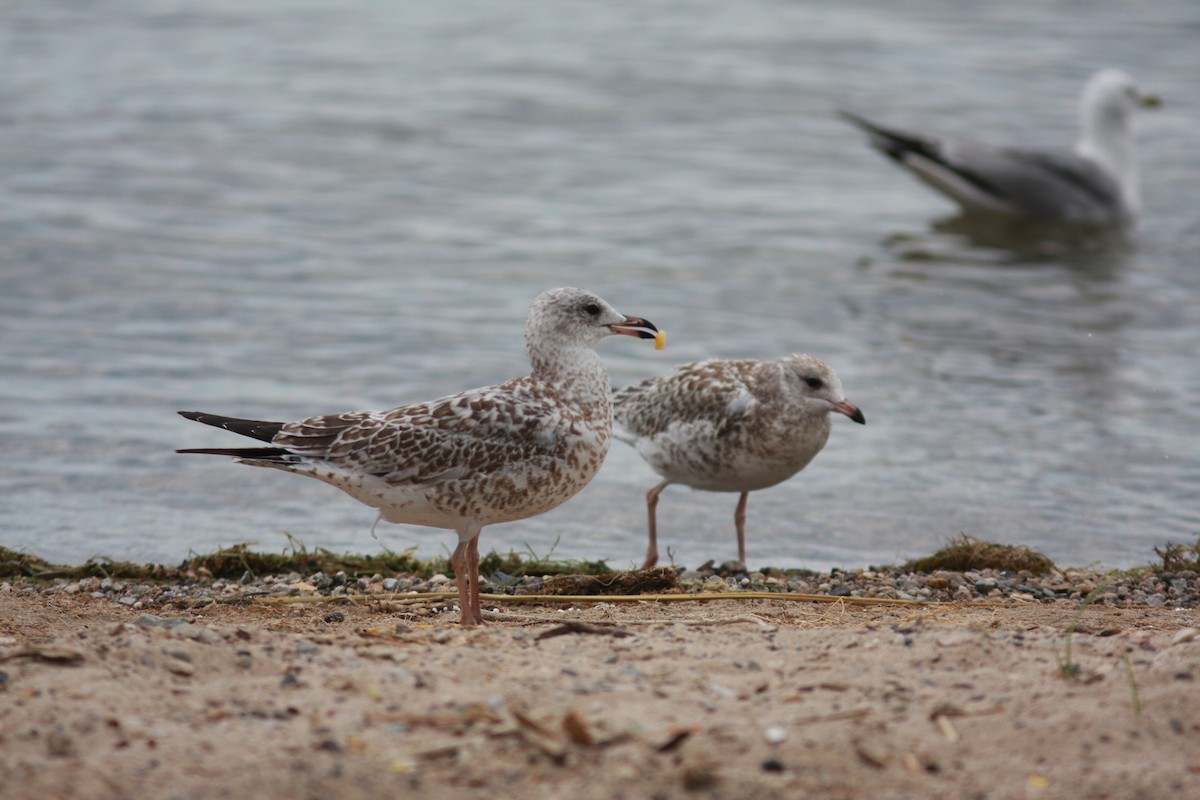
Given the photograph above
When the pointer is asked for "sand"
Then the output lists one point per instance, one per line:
(729, 699)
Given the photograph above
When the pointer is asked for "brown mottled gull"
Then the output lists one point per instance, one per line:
(1096, 184)
(730, 426)
(496, 454)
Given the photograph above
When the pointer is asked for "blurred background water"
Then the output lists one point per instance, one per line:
(276, 209)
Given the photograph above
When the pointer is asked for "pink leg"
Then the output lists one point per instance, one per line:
(739, 521)
(465, 560)
(458, 560)
(651, 508)
(473, 565)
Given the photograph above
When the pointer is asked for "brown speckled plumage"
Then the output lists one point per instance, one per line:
(496, 454)
(730, 426)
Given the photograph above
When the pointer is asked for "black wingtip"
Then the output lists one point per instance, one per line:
(254, 453)
(893, 143)
(259, 429)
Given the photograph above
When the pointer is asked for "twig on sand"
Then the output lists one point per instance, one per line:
(562, 599)
(577, 626)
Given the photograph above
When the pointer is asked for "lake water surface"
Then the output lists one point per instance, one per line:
(277, 209)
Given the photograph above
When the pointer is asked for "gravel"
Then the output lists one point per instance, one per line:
(1144, 587)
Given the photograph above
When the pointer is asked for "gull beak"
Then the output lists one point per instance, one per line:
(850, 410)
(1149, 100)
(635, 326)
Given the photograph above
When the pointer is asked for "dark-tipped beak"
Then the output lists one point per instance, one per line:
(1149, 100)
(850, 410)
(635, 326)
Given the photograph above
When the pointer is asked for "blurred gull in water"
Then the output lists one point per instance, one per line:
(1096, 184)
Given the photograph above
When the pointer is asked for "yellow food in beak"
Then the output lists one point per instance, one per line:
(660, 340)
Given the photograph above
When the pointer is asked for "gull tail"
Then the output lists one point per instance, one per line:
(254, 428)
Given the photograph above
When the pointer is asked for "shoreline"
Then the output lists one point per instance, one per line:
(965, 570)
(991, 684)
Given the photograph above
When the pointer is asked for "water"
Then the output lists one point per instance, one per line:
(276, 209)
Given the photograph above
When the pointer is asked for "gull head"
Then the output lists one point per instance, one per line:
(811, 382)
(1112, 96)
(570, 317)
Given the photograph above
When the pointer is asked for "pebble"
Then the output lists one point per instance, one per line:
(152, 621)
(182, 668)
(1185, 635)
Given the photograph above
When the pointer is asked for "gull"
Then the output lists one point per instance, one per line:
(1096, 184)
(494, 454)
(730, 426)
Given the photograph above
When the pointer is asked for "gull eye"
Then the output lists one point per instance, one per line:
(814, 383)
(592, 309)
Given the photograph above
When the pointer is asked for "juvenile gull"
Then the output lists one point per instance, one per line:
(730, 426)
(495, 454)
(1096, 184)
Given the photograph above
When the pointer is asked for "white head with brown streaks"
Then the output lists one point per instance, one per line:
(563, 328)
(808, 382)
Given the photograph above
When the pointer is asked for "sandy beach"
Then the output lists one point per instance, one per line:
(735, 698)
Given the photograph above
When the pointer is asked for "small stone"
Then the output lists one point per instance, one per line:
(698, 778)
(773, 765)
(775, 734)
(390, 584)
(59, 743)
(503, 579)
(181, 668)
(304, 648)
(334, 616)
(1185, 635)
